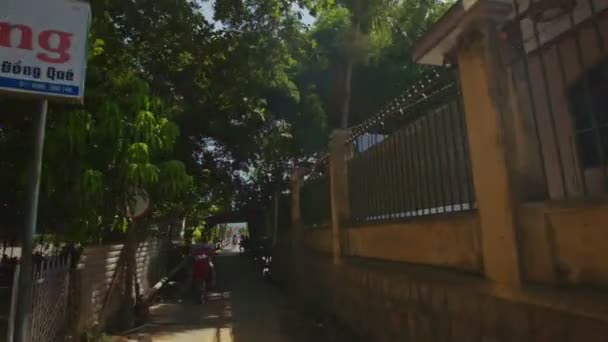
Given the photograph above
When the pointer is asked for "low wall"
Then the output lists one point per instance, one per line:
(318, 239)
(93, 276)
(447, 241)
(384, 301)
(566, 245)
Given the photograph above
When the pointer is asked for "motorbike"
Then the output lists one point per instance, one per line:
(266, 266)
(203, 275)
(243, 246)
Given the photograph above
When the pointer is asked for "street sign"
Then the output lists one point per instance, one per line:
(43, 53)
(43, 47)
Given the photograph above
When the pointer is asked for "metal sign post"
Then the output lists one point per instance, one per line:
(14, 295)
(43, 55)
(24, 300)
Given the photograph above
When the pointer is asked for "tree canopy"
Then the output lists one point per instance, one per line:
(207, 118)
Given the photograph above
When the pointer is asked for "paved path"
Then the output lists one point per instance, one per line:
(245, 309)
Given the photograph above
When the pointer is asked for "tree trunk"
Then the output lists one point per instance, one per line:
(345, 106)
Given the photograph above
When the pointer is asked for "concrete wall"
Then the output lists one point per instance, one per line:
(318, 240)
(390, 302)
(93, 277)
(450, 241)
(565, 245)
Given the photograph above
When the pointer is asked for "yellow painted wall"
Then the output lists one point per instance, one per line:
(446, 241)
(318, 240)
(565, 244)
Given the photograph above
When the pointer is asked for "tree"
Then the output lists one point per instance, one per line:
(364, 17)
(374, 44)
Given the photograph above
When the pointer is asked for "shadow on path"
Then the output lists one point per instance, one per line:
(244, 309)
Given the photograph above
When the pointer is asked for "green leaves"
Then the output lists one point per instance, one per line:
(168, 132)
(110, 125)
(92, 185)
(145, 126)
(142, 175)
(96, 48)
(138, 153)
(169, 97)
(76, 129)
(141, 172)
(174, 178)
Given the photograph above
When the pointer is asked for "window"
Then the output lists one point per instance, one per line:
(589, 105)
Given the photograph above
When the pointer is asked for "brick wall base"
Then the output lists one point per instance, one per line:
(395, 302)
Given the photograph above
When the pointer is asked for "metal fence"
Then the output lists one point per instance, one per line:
(412, 159)
(558, 59)
(50, 298)
(8, 272)
(315, 203)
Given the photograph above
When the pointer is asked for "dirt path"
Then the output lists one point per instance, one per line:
(245, 309)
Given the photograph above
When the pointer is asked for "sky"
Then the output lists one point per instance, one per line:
(207, 8)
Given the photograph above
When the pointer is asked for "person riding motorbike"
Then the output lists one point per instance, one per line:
(203, 270)
(243, 244)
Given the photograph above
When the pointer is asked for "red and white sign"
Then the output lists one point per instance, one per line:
(43, 47)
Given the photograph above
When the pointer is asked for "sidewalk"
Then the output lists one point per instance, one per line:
(245, 309)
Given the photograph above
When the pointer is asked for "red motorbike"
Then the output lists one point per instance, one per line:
(203, 274)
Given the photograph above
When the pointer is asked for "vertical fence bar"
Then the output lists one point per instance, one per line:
(408, 193)
(419, 162)
(351, 186)
(432, 185)
(468, 172)
(357, 181)
(457, 187)
(364, 200)
(360, 186)
(428, 153)
(382, 178)
(445, 156)
(369, 181)
(413, 195)
(393, 176)
(388, 180)
(436, 161)
(366, 203)
(379, 179)
(400, 159)
(372, 173)
(385, 144)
